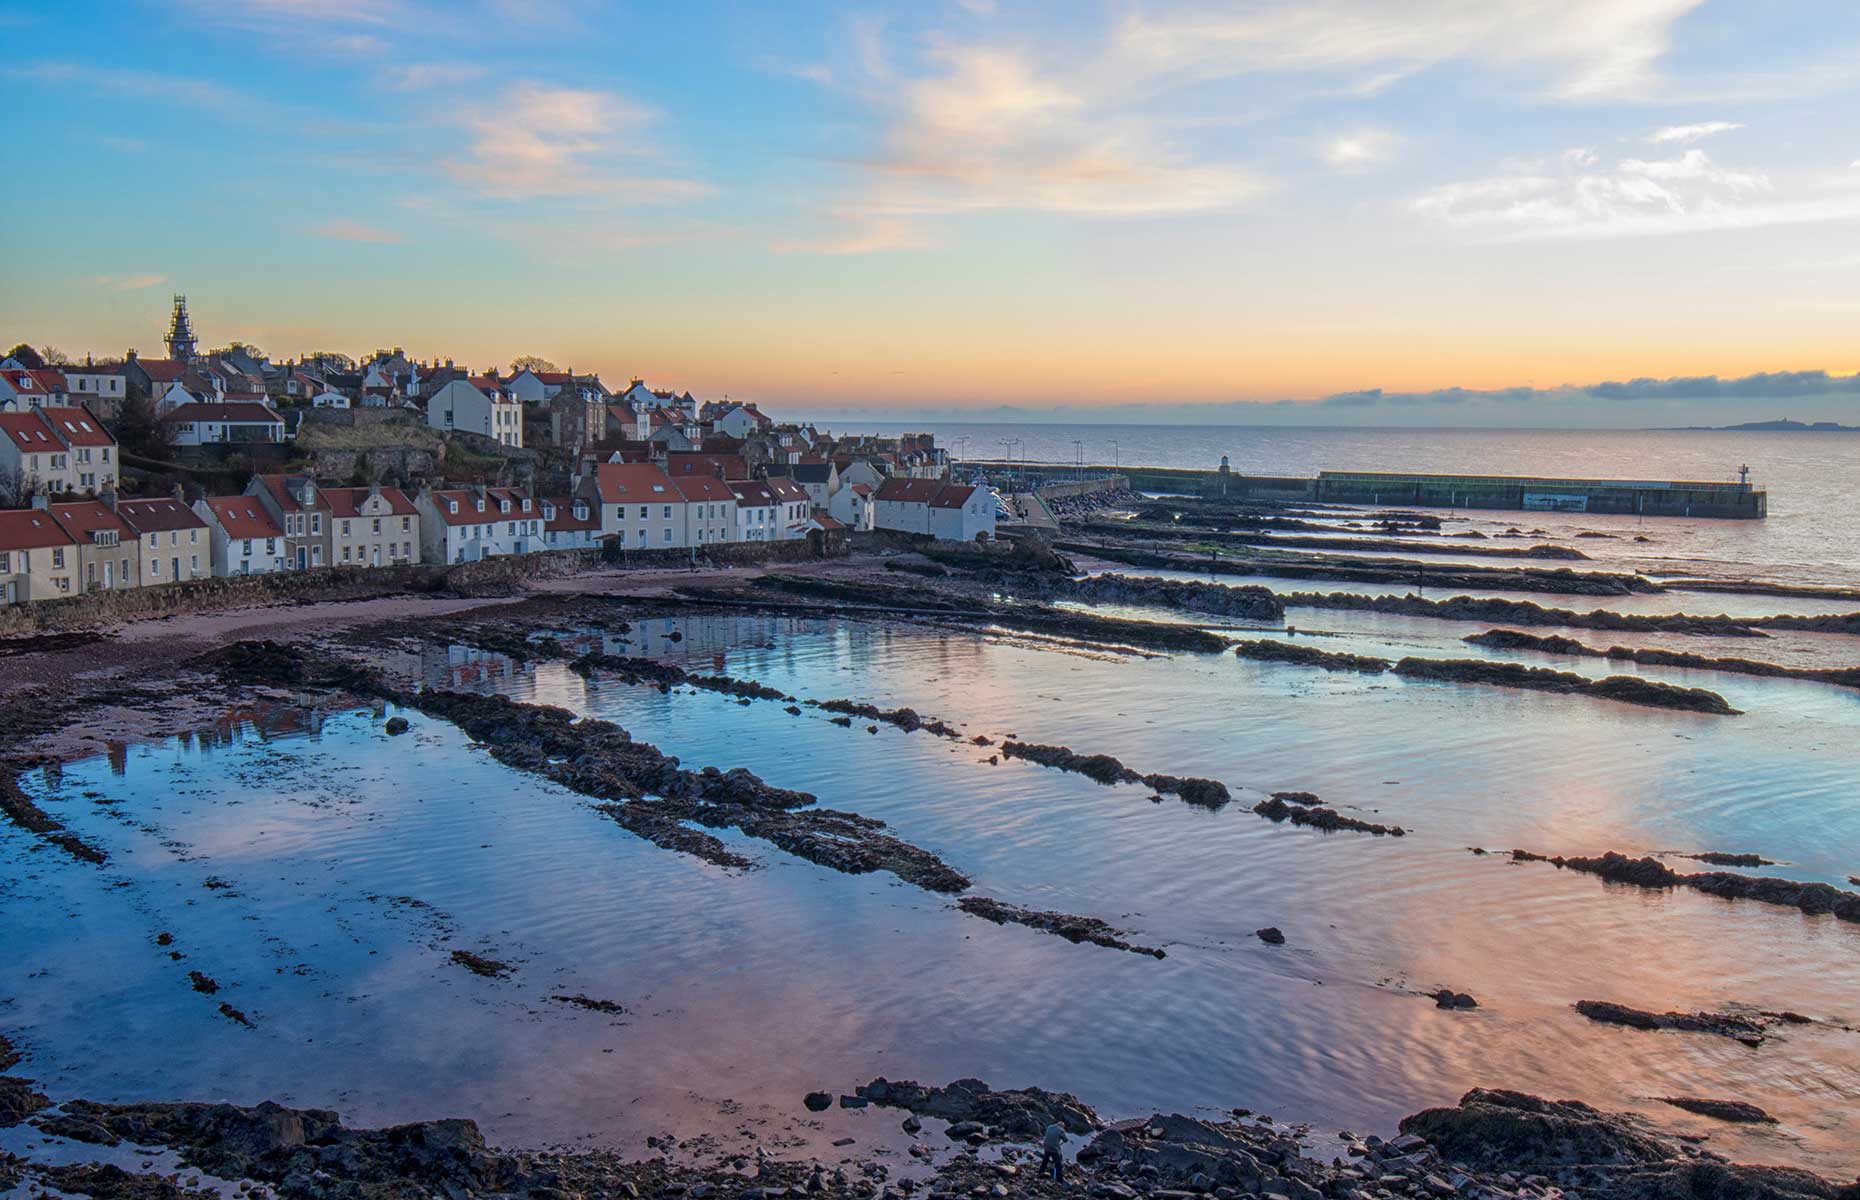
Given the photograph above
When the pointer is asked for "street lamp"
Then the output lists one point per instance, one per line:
(1115, 463)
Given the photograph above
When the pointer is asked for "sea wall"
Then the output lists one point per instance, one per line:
(491, 576)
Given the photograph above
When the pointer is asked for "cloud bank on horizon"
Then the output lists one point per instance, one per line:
(1104, 206)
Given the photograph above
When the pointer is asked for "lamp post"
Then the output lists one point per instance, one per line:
(1115, 463)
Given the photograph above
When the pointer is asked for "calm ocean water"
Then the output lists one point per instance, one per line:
(322, 872)
(1812, 533)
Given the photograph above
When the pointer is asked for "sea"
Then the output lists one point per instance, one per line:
(321, 873)
(1813, 479)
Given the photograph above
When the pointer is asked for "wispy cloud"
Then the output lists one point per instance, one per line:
(1686, 134)
(1582, 198)
(537, 141)
(125, 283)
(987, 130)
(419, 77)
(861, 236)
(137, 85)
(1764, 385)
(1361, 150)
(1590, 49)
(355, 231)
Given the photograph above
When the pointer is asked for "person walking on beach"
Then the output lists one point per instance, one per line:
(1049, 1151)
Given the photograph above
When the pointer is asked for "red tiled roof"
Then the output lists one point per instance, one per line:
(30, 529)
(785, 488)
(753, 495)
(460, 507)
(725, 466)
(39, 381)
(158, 516)
(953, 495)
(910, 491)
(29, 433)
(347, 501)
(162, 370)
(281, 490)
(229, 414)
(82, 518)
(78, 427)
(243, 517)
(825, 522)
(697, 488)
(565, 520)
(629, 483)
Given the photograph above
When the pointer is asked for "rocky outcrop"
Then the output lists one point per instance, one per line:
(1512, 639)
(848, 596)
(1019, 1113)
(1311, 656)
(1555, 581)
(1614, 1155)
(1625, 689)
(665, 676)
(1814, 899)
(1103, 768)
(1302, 808)
(1065, 925)
(1248, 603)
(1735, 1111)
(1525, 612)
(1748, 1030)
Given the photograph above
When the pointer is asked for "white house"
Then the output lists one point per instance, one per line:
(852, 506)
(465, 525)
(639, 506)
(479, 405)
(740, 422)
(570, 523)
(758, 513)
(820, 480)
(25, 388)
(204, 423)
(710, 509)
(962, 512)
(950, 511)
(99, 386)
(56, 449)
(792, 500)
(330, 399)
(245, 538)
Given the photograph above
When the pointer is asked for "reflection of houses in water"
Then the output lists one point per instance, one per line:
(456, 666)
(267, 719)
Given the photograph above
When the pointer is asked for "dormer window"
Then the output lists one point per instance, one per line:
(480, 504)
(452, 506)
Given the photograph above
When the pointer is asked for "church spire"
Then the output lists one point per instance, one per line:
(181, 340)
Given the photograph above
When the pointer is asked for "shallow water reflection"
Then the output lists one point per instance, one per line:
(356, 863)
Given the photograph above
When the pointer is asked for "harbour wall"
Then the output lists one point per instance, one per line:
(1651, 498)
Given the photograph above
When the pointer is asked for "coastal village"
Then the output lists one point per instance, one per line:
(139, 472)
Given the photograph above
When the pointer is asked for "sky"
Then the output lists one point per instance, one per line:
(1491, 212)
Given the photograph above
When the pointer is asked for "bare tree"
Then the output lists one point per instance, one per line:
(531, 362)
(54, 357)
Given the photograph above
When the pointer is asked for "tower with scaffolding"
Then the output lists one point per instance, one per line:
(182, 343)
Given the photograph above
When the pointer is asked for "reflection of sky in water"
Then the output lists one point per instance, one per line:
(766, 984)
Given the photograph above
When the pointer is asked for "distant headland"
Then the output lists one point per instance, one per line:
(1783, 426)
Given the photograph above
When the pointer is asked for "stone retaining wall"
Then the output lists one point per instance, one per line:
(491, 576)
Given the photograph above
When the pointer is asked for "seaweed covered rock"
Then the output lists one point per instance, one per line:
(1015, 1113)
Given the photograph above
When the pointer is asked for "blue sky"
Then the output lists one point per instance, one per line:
(960, 204)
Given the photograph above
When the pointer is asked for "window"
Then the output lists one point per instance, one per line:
(377, 525)
(668, 535)
(406, 524)
(316, 522)
(345, 532)
(193, 563)
(668, 515)
(644, 512)
(6, 562)
(345, 554)
(155, 567)
(58, 557)
(271, 545)
(154, 539)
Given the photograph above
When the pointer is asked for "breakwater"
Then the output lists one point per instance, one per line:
(1519, 493)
